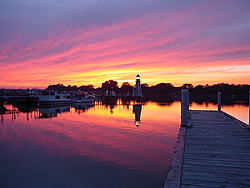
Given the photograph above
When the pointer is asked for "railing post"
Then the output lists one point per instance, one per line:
(184, 106)
(219, 101)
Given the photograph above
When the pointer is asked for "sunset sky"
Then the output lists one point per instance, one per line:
(81, 42)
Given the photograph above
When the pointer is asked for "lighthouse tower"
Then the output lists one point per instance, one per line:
(137, 92)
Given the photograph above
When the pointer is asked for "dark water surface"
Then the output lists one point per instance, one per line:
(96, 146)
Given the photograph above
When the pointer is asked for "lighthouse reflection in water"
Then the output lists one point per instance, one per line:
(118, 144)
(137, 112)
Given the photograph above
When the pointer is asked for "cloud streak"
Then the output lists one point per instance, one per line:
(82, 42)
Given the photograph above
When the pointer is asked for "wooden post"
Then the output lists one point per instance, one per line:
(184, 106)
(219, 101)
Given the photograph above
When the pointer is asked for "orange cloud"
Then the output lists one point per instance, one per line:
(171, 45)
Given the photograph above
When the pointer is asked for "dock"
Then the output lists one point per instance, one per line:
(212, 151)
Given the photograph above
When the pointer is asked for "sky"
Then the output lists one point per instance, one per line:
(82, 42)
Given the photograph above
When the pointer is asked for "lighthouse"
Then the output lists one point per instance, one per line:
(137, 92)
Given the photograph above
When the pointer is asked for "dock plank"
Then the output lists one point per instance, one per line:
(216, 152)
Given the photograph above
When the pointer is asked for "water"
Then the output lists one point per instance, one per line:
(240, 109)
(90, 146)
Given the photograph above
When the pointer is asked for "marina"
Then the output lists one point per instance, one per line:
(87, 134)
(74, 145)
(124, 94)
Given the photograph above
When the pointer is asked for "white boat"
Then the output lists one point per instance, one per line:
(51, 97)
(83, 97)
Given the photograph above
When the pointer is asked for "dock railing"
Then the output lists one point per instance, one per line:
(175, 171)
(185, 106)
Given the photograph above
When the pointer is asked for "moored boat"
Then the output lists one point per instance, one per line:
(83, 97)
(51, 97)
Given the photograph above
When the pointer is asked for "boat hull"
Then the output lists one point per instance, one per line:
(83, 99)
(54, 103)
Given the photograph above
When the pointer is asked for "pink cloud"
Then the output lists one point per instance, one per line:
(172, 38)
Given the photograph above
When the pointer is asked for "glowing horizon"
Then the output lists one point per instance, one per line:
(81, 43)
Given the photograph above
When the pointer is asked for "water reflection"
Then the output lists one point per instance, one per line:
(137, 111)
(82, 107)
(52, 111)
(91, 149)
(80, 148)
(236, 108)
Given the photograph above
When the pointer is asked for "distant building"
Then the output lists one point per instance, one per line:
(110, 93)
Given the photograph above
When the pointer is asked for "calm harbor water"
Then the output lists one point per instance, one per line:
(92, 146)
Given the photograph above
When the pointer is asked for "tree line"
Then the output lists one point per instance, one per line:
(159, 89)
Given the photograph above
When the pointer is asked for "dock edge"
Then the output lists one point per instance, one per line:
(175, 170)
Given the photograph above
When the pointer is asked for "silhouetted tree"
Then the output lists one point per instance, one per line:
(91, 86)
(111, 84)
(187, 86)
(163, 88)
(144, 85)
(225, 88)
(73, 88)
(126, 87)
(199, 89)
(58, 87)
(86, 88)
(145, 88)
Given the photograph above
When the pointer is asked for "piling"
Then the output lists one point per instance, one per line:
(219, 101)
(184, 106)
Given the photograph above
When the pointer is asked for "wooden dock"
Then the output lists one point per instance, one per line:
(214, 152)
